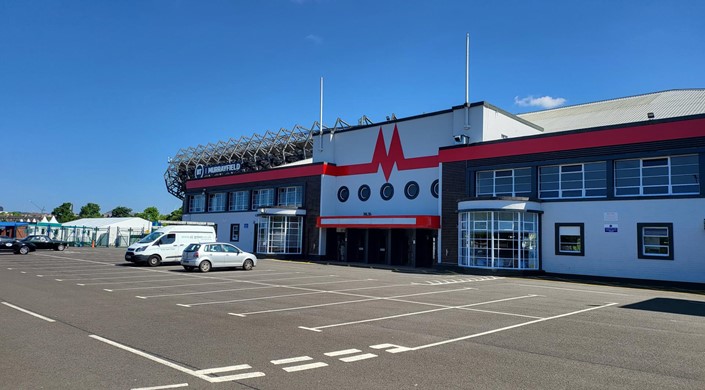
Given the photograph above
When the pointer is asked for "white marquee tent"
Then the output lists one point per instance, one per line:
(106, 231)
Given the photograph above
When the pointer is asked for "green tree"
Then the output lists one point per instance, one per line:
(90, 210)
(121, 211)
(175, 215)
(64, 213)
(150, 214)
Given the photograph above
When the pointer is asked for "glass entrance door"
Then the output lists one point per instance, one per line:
(498, 239)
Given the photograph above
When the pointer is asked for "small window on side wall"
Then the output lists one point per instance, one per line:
(570, 239)
(235, 232)
(655, 240)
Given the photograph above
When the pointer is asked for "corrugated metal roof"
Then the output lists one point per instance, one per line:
(665, 104)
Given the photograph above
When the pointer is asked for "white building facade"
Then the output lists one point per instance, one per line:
(477, 188)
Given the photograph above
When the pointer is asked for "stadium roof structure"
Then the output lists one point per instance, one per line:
(657, 105)
(258, 152)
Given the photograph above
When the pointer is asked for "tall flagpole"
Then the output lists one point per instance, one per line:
(320, 120)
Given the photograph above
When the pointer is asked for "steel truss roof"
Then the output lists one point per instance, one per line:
(255, 153)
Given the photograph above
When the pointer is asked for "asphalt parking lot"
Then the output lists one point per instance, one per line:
(86, 319)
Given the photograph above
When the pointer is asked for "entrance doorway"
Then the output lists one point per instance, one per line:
(401, 247)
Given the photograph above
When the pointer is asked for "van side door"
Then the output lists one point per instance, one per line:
(168, 248)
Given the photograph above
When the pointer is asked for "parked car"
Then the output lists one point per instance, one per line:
(206, 256)
(45, 242)
(17, 246)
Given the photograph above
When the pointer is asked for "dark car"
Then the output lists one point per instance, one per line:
(45, 242)
(17, 246)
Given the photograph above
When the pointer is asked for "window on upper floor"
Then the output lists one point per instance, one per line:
(216, 202)
(587, 180)
(672, 175)
(196, 203)
(239, 201)
(290, 196)
(262, 198)
(507, 182)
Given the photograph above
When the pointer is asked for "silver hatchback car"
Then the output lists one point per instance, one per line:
(206, 256)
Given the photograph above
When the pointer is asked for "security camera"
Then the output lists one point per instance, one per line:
(461, 139)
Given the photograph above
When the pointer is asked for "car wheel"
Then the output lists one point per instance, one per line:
(188, 268)
(23, 250)
(60, 247)
(205, 266)
(154, 261)
(247, 265)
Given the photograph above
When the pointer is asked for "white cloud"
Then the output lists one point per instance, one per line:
(543, 102)
(314, 38)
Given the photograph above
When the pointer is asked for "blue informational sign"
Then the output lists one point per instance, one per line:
(611, 228)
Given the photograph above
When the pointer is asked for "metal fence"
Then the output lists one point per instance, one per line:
(97, 237)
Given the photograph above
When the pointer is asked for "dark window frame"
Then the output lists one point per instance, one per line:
(232, 232)
(557, 240)
(640, 240)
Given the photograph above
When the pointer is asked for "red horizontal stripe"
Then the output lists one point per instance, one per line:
(422, 222)
(583, 140)
(271, 174)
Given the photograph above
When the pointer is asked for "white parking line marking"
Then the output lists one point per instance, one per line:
(205, 284)
(248, 299)
(305, 367)
(454, 281)
(162, 387)
(111, 277)
(47, 319)
(342, 352)
(356, 358)
(224, 369)
(250, 288)
(132, 282)
(236, 377)
(113, 272)
(176, 366)
(292, 360)
(318, 328)
(510, 327)
(391, 348)
(572, 289)
(367, 298)
(499, 312)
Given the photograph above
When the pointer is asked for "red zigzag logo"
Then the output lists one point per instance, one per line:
(387, 159)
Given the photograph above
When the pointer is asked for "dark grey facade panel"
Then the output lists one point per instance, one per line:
(454, 187)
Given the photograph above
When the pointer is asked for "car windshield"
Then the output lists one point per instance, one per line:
(151, 237)
(192, 247)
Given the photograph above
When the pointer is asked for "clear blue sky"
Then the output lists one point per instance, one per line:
(96, 95)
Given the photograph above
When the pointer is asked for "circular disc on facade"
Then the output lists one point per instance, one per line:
(343, 194)
(386, 191)
(435, 188)
(411, 190)
(364, 192)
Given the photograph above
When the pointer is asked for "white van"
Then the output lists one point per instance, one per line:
(168, 243)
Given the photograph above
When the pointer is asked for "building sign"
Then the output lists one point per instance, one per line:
(202, 171)
(611, 228)
(611, 216)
